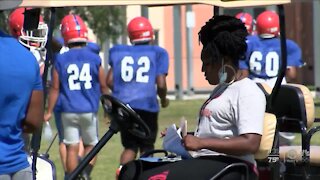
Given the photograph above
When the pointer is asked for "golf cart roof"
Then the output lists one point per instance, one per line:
(220, 3)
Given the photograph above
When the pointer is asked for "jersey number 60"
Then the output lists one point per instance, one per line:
(271, 63)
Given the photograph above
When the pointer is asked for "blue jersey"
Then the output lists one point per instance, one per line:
(263, 57)
(135, 69)
(94, 47)
(19, 76)
(91, 46)
(78, 71)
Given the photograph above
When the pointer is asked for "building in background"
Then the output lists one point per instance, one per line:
(299, 27)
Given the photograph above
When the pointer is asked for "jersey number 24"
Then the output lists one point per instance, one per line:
(77, 75)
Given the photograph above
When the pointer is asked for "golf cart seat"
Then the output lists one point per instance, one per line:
(266, 162)
(267, 139)
(269, 128)
(295, 111)
(294, 108)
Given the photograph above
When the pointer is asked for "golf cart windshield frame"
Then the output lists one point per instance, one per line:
(52, 4)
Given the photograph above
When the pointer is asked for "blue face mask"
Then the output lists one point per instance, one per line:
(222, 73)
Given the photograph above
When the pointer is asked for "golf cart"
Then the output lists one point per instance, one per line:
(282, 120)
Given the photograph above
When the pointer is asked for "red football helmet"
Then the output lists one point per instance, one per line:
(247, 19)
(268, 24)
(140, 30)
(73, 29)
(32, 39)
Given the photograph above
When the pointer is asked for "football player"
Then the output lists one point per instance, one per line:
(21, 103)
(57, 109)
(137, 75)
(34, 40)
(78, 79)
(263, 58)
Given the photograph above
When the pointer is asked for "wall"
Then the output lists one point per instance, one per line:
(299, 27)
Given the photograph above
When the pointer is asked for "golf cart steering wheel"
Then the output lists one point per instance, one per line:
(124, 117)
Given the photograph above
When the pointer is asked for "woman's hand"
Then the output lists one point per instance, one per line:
(192, 143)
(163, 133)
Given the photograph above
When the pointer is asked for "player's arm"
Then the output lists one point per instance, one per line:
(53, 95)
(240, 145)
(109, 79)
(162, 71)
(162, 90)
(103, 85)
(34, 115)
(294, 61)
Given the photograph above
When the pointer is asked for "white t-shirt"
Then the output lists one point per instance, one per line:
(238, 110)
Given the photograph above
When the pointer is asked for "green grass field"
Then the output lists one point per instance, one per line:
(108, 158)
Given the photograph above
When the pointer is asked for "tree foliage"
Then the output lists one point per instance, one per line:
(3, 21)
(107, 22)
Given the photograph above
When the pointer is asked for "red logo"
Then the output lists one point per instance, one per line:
(161, 176)
(206, 112)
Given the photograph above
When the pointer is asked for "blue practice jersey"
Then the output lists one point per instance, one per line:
(94, 47)
(263, 57)
(135, 69)
(19, 76)
(78, 70)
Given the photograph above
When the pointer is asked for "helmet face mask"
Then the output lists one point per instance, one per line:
(268, 24)
(140, 30)
(36, 38)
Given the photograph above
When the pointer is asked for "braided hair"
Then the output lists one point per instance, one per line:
(224, 36)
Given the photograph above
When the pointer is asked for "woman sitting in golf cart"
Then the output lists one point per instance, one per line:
(231, 120)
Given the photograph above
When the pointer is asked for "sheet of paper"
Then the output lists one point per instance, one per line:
(183, 127)
(172, 142)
